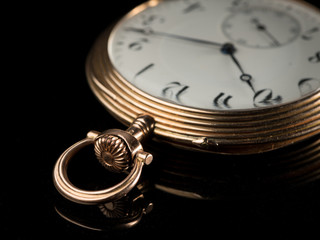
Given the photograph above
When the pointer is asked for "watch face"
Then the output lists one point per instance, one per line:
(220, 54)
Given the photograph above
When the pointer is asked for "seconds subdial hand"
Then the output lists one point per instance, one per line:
(263, 28)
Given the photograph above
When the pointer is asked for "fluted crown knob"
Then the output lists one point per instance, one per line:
(113, 153)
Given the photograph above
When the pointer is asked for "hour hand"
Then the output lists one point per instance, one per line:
(149, 31)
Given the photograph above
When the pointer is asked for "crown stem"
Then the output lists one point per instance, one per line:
(142, 127)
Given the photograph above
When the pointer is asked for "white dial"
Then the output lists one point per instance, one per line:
(220, 54)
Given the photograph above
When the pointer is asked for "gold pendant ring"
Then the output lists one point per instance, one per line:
(118, 151)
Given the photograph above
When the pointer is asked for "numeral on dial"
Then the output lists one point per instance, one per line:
(239, 4)
(193, 7)
(315, 58)
(308, 85)
(308, 35)
(138, 45)
(265, 97)
(146, 68)
(222, 101)
(174, 90)
(149, 20)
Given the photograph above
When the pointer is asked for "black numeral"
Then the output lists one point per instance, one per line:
(308, 35)
(308, 85)
(265, 97)
(193, 7)
(146, 68)
(236, 4)
(174, 90)
(149, 20)
(138, 45)
(222, 101)
(315, 58)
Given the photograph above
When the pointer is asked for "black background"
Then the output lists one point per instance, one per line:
(51, 106)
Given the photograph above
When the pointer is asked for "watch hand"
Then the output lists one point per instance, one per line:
(226, 48)
(229, 49)
(149, 31)
(264, 29)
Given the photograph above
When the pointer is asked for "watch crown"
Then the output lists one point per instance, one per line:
(116, 149)
(112, 152)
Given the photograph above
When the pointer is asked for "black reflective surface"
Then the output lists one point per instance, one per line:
(181, 195)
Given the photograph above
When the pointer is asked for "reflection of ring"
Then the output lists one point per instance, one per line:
(68, 190)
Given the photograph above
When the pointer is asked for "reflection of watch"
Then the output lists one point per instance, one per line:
(234, 76)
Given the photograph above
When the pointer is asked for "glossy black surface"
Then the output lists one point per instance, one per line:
(262, 195)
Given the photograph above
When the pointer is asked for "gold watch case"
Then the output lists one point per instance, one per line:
(227, 132)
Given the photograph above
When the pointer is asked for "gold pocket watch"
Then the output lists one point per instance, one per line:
(229, 77)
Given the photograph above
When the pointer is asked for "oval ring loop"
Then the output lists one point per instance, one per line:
(71, 192)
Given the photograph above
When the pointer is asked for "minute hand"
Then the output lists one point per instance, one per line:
(170, 35)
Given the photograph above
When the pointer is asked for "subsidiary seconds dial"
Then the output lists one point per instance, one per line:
(261, 27)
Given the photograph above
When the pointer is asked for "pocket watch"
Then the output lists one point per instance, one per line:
(229, 77)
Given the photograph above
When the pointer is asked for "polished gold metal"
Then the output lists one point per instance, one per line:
(226, 132)
(107, 145)
(230, 132)
(115, 149)
(112, 153)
